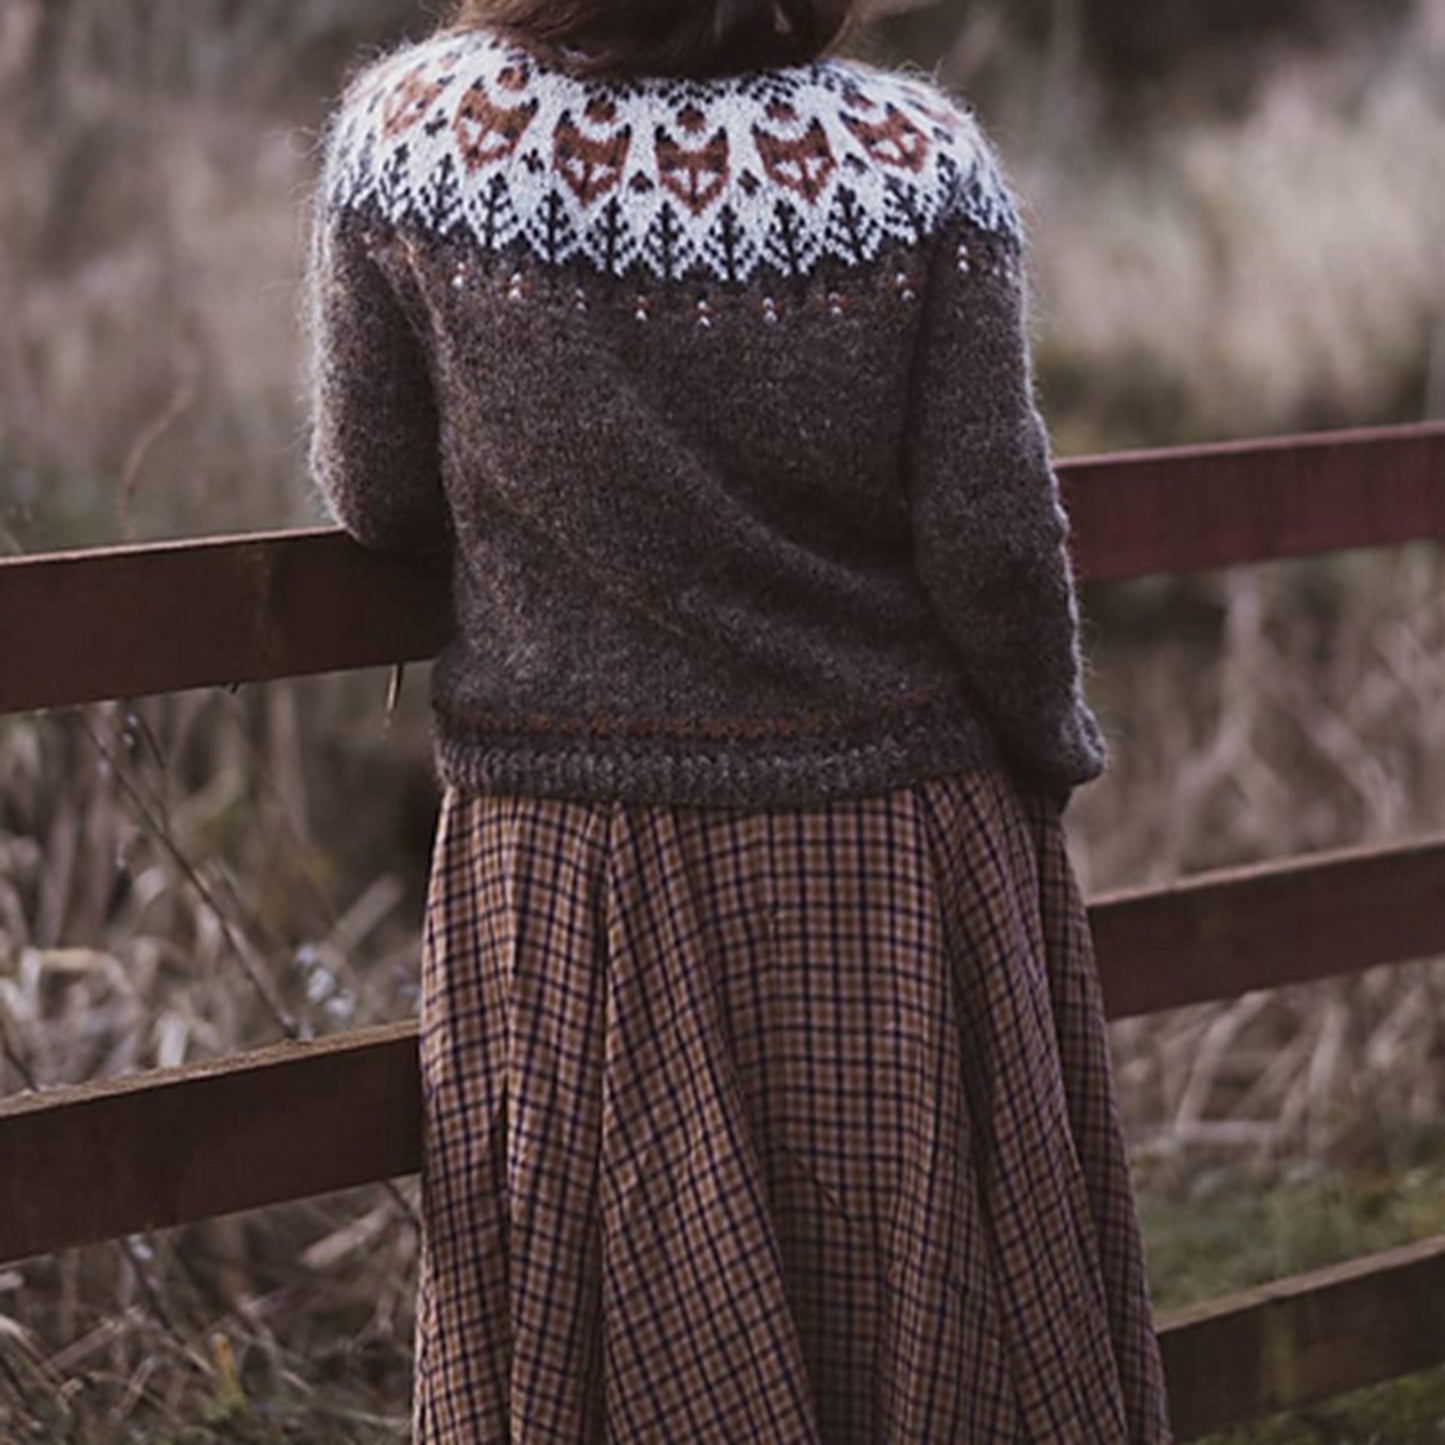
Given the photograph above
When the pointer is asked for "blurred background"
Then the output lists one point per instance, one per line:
(1237, 220)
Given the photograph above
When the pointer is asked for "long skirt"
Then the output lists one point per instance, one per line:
(779, 1126)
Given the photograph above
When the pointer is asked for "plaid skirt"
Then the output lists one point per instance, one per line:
(784, 1126)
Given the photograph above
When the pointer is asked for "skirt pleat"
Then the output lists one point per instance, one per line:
(784, 1126)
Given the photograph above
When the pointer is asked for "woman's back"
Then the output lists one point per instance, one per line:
(719, 389)
(766, 1080)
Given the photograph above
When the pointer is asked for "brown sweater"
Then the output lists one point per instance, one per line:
(718, 396)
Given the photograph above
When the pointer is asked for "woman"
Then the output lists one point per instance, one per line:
(767, 1086)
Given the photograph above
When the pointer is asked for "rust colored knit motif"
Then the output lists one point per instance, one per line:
(661, 178)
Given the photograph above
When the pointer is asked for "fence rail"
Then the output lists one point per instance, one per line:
(175, 1145)
(1305, 1338)
(92, 1161)
(128, 621)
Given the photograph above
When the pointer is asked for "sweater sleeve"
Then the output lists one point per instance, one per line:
(989, 530)
(373, 444)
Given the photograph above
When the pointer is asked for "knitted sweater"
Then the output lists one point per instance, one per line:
(717, 395)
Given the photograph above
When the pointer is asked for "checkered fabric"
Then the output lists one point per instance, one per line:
(784, 1126)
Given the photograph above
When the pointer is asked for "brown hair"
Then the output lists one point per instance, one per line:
(665, 37)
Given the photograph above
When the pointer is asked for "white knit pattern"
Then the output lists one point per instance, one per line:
(469, 135)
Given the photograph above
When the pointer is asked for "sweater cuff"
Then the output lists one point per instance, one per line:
(1078, 754)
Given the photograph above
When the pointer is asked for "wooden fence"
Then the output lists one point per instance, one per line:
(98, 1160)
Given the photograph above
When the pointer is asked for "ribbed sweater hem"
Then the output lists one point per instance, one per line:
(754, 775)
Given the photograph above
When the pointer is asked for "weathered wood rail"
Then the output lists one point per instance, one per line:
(129, 621)
(98, 1160)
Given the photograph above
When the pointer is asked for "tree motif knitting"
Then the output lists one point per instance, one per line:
(769, 171)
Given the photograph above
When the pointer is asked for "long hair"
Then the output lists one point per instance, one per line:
(665, 37)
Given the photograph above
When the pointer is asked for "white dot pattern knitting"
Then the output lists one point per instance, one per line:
(767, 172)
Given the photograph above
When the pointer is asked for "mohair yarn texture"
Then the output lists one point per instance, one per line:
(718, 396)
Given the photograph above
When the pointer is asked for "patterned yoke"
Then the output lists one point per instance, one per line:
(781, 1126)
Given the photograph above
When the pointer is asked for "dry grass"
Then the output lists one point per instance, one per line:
(148, 916)
(188, 876)
(1303, 713)
(1271, 272)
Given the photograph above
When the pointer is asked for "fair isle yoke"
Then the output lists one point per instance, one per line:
(671, 178)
